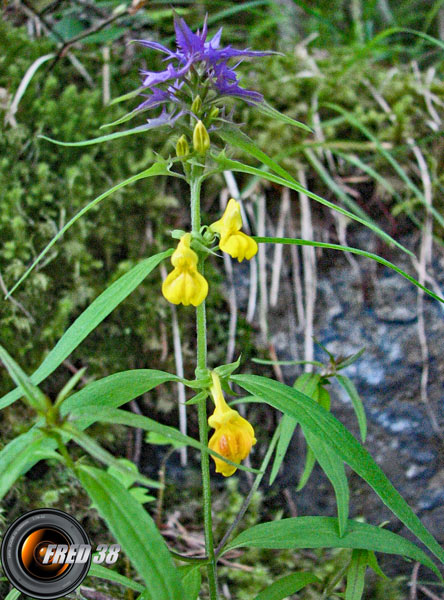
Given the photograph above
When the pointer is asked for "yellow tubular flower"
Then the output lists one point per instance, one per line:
(234, 242)
(234, 436)
(185, 285)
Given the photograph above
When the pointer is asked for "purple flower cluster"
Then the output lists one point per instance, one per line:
(194, 58)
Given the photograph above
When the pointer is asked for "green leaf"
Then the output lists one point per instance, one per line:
(69, 386)
(284, 178)
(226, 370)
(95, 450)
(19, 455)
(191, 581)
(356, 575)
(13, 595)
(322, 532)
(379, 259)
(98, 140)
(111, 575)
(96, 312)
(123, 417)
(333, 467)
(349, 360)
(307, 383)
(128, 96)
(115, 390)
(158, 168)
(111, 391)
(141, 495)
(128, 477)
(310, 461)
(158, 439)
(123, 119)
(35, 397)
(322, 424)
(197, 398)
(135, 531)
(286, 586)
(358, 406)
(373, 564)
(268, 110)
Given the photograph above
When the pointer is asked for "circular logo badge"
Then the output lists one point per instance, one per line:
(46, 554)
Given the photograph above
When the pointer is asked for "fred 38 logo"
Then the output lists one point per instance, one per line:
(47, 554)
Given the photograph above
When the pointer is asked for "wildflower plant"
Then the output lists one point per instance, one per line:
(191, 94)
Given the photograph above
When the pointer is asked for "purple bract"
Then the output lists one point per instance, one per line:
(201, 64)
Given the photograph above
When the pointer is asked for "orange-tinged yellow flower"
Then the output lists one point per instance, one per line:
(234, 435)
(233, 241)
(185, 285)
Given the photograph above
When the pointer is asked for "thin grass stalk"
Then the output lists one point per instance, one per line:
(296, 273)
(425, 257)
(232, 301)
(253, 283)
(278, 249)
(262, 259)
(178, 359)
(310, 277)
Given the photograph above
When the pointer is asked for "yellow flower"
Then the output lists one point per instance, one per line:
(234, 436)
(234, 242)
(185, 285)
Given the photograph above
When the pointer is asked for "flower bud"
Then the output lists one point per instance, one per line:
(201, 139)
(182, 148)
(197, 105)
(213, 113)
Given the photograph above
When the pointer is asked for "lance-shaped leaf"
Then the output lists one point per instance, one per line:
(310, 461)
(111, 575)
(242, 141)
(13, 595)
(112, 391)
(96, 451)
(115, 390)
(20, 455)
(96, 312)
(356, 575)
(100, 139)
(123, 417)
(34, 397)
(135, 531)
(333, 467)
(324, 425)
(307, 383)
(375, 257)
(322, 532)
(358, 406)
(159, 168)
(286, 586)
(191, 581)
(268, 110)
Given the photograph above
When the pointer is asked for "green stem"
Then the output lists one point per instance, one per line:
(195, 184)
(252, 491)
